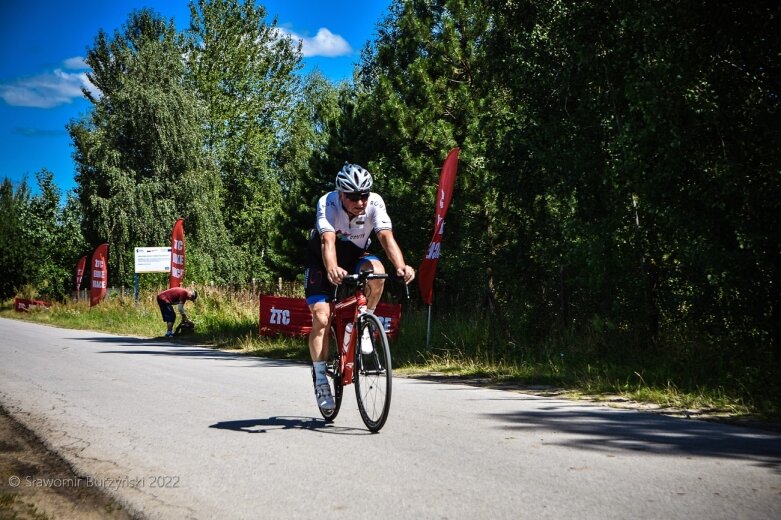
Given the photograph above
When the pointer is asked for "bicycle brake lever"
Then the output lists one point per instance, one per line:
(400, 280)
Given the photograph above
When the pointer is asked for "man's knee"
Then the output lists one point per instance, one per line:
(376, 287)
(321, 313)
(374, 266)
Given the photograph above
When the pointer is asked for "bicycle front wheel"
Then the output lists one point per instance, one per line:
(373, 374)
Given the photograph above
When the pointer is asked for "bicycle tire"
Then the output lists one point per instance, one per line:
(373, 374)
(334, 377)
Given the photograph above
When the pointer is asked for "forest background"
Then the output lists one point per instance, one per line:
(619, 182)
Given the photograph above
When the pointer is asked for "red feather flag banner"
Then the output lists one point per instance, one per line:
(428, 268)
(99, 267)
(177, 255)
(80, 266)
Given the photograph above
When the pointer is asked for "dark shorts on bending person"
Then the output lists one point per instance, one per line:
(167, 310)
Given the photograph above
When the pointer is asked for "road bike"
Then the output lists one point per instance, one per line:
(359, 354)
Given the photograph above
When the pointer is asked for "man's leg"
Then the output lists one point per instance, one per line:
(375, 287)
(318, 350)
(318, 337)
(374, 293)
(167, 311)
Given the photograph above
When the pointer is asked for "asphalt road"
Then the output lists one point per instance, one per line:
(176, 431)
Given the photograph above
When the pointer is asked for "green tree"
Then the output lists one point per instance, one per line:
(307, 169)
(243, 70)
(40, 239)
(14, 204)
(619, 167)
(650, 129)
(140, 155)
(421, 91)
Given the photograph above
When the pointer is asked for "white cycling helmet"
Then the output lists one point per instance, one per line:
(352, 178)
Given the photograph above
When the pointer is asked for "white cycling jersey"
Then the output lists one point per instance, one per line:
(331, 216)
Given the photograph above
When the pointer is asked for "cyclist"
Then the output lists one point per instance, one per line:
(166, 301)
(337, 246)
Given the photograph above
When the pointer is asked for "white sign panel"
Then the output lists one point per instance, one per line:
(153, 259)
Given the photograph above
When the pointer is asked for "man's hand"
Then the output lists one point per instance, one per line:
(406, 272)
(335, 275)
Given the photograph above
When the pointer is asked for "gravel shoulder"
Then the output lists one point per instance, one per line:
(36, 484)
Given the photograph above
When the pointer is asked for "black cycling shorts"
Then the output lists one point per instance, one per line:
(317, 288)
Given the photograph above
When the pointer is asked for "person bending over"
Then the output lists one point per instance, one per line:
(166, 301)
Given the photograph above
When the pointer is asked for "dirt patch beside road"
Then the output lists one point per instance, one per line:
(36, 484)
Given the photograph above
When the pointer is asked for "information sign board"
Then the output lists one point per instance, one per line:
(153, 260)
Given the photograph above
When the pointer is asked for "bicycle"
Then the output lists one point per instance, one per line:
(347, 364)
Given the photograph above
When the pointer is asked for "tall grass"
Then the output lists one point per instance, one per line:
(587, 363)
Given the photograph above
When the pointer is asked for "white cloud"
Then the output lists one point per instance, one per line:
(47, 90)
(76, 63)
(325, 43)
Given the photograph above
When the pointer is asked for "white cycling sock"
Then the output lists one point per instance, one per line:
(320, 376)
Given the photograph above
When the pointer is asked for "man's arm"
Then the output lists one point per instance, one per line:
(328, 249)
(395, 255)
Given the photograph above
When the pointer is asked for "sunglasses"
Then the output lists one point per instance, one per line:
(358, 195)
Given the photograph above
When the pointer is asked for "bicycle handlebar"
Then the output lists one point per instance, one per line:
(363, 276)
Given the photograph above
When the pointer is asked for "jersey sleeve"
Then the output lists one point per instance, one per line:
(326, 208)
(379, 214)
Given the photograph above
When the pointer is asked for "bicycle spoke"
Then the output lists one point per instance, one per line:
(373, 375)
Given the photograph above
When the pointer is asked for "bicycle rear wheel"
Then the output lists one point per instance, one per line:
(334, 377)
(373, 374)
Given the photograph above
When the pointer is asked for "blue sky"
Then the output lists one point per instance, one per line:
(43, 43)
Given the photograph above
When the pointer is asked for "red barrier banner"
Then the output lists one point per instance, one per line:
(177, 255)
(428, 266)
(291, 316)
(79, 273)
(99, 277)
(24, 305)
(281, 315)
